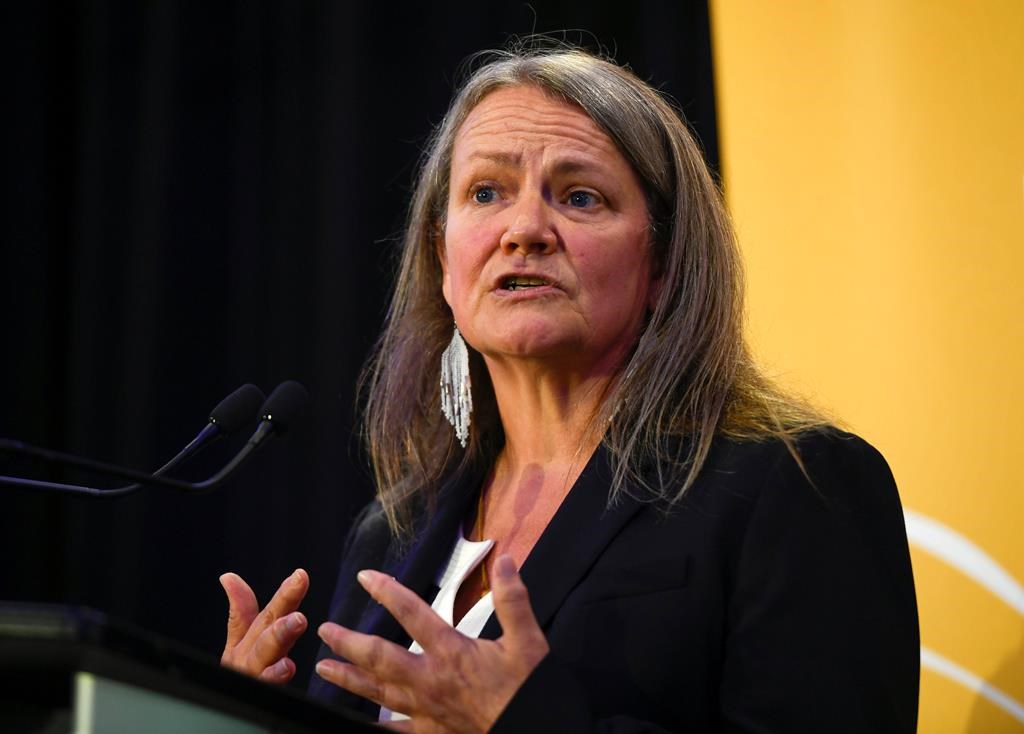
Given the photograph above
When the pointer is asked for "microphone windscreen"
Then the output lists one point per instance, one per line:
(284, 405)
(237, 409)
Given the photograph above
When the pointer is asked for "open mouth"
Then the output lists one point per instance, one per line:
(520, 282)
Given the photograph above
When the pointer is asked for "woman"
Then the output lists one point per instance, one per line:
(701, 553)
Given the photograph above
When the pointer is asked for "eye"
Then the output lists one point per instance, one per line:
(582, 199)
(485, 195)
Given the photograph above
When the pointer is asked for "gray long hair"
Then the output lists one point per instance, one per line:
(690, 376)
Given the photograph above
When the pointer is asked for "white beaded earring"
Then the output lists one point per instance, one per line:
(456, 398)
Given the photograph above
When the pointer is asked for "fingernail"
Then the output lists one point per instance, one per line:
(322, 667)
(505, 567)
(364, 577)
(294, 623)
(296, 577)
(321, 632)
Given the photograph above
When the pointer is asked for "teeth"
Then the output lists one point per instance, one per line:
(517, 283)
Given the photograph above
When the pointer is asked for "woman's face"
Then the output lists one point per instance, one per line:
(546, 249)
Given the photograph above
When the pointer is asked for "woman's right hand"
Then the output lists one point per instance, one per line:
(259, 641)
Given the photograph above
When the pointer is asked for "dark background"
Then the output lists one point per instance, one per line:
(203, 194)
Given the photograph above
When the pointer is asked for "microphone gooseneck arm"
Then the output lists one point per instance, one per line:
(229, 415)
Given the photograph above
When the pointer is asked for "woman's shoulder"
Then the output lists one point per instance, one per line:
(822, 465)
(369, 534)
(824, 441)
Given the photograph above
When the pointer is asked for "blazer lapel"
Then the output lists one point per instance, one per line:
(416, 566)
(577, 534)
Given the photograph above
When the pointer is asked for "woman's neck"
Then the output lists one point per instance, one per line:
(548, 418)
(550, 425)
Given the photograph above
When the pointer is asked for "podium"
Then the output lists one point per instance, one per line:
(69, 669)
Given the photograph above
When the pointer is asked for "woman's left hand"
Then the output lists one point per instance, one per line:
(459, 683)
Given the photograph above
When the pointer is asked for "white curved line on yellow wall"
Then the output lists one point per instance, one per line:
(947, 668)
(950, 546)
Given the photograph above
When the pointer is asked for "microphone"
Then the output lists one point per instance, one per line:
(231, 414)
(228, 416)
(283, 406)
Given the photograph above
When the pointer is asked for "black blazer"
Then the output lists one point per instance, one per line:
(761, 603)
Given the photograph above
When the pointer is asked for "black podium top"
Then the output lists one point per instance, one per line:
(41, 646)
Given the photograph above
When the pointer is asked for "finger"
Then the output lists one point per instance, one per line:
(242, 607)
(276, 641)
(373, 654)
(280, 672)
(415, 615)
(365, 684)
(285, 601)
(512, 606)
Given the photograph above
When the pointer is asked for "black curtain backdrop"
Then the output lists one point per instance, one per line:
(205, 194)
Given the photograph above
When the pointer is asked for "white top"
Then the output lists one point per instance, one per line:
(465, 557)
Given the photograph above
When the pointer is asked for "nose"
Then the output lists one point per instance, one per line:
(530, 231)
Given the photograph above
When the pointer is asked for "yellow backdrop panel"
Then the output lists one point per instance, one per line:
(873, 159)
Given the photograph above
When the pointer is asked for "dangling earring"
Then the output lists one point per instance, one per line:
(456, 398)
